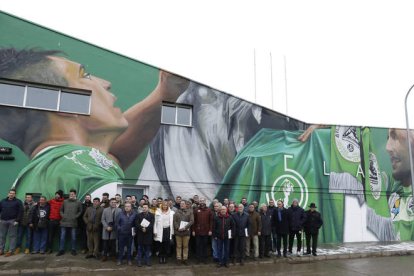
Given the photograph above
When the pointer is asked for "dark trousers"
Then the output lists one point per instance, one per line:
(240, 247)
(265, 245)
(39, 240)
(27, 232)
(124, 240)
(281, 237)
(298, 235)
(223, 250)
(165, 246)
(314, 238)
(231, 249)
(202, 245)
(109, 247)
(144, 251)
(83, 236)
(53, 230)
(274, 239)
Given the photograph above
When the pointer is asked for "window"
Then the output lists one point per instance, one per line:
(44, 97)
(177, 115)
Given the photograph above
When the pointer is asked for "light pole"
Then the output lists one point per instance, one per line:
(409, 140)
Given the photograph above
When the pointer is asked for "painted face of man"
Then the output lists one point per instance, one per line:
(397, 148)
(104, 116)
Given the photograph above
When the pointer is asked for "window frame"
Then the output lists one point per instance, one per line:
(58, 89)
(177, 106)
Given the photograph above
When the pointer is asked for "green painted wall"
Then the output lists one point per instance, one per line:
(131, 80)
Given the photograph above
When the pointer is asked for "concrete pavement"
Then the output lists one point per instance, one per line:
(343, 259)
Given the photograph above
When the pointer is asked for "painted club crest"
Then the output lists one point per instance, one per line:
(375, 181)
(288, 186)
(347, 143)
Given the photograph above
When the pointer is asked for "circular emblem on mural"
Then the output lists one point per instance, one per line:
(375, 181)
(347, 143)
(288, 187)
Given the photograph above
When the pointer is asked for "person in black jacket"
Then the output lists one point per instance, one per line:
(11, 212)
(280, 221)
(296, 220)
(222, 232)
(311, 226)
(265, 245)
(39, 222)
(241, 223)
(145, 227)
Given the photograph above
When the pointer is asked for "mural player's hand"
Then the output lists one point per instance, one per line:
(171, 86)
(305, 136)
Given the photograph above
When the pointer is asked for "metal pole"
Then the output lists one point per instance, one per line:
(409, 140)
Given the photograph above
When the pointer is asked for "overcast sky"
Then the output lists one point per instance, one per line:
(347, 62)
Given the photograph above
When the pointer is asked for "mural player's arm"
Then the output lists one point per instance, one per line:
(144, 118)
(308, 132)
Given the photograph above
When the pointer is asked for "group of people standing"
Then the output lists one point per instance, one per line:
(116, 228)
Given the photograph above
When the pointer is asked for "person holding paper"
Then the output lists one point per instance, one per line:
(183, 220)
(125, 223)
(241, 226)
(145, 228)
(222, 233)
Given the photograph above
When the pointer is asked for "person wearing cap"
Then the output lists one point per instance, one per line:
(311, 226)
(54, 219)
(296, 220)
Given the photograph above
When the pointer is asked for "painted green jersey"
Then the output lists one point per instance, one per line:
(66, 167)
(274, 164)
(402, 211)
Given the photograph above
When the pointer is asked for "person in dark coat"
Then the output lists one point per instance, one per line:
(311, 226)
(145, 228)
(222, 233)
(280, 221)
(271, 208)
(241, 223)
(202, 229)
(125, 222)
(82, 236)
(296, 220)
(39, 222)
(11, 212)
(265, 243)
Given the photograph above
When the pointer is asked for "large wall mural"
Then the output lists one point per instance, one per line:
(359, 177)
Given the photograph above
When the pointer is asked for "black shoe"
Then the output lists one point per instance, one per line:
(279, 255)
(307, 253)
(284, 255)
(226, 265)
(60, 253)
(185, 262)
(73, 252)
(89, 256)
(314, 254)
(218, 265)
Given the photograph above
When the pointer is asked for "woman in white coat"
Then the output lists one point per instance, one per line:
(163, 230)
